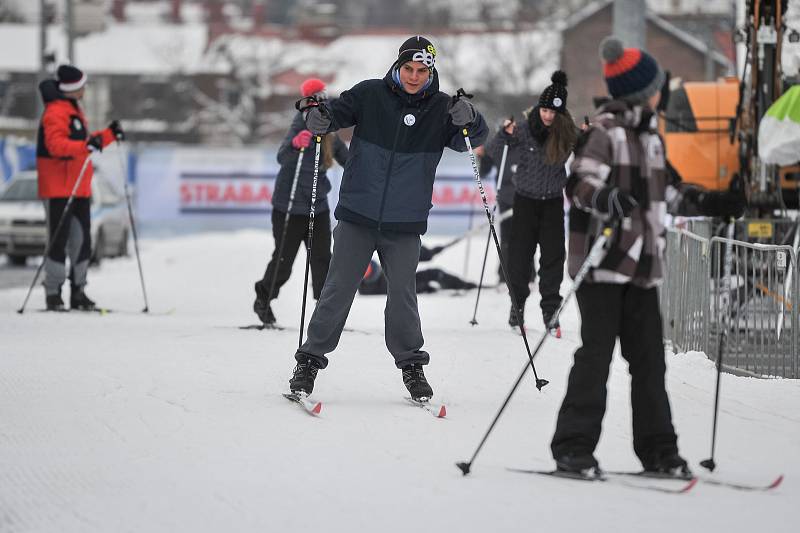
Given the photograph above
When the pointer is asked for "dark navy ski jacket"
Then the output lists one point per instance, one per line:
(397, 143)
(287, 158)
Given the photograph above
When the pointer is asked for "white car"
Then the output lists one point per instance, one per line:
(22, 220)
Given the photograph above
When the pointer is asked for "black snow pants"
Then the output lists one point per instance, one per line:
(73, 240)
(632, 314)
(538, 223)
(296, 233)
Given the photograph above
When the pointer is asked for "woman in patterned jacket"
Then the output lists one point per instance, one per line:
(544, 144)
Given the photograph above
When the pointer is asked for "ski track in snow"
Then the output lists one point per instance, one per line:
(129, 422)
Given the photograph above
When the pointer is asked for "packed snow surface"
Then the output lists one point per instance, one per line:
(175, 422)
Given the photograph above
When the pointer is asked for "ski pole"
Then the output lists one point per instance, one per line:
(318, 140)
(725, 289)
(282, 241)
(539, 382)
(133, 225)
(57, 230)
(593, 259)
(500, 173)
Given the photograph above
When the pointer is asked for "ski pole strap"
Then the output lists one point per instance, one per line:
(461, 93)
(304, 104)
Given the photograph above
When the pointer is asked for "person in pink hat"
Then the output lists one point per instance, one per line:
(295, 217)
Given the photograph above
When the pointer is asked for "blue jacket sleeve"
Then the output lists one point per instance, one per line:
(345, 111)
(287, 153)
(478, 131)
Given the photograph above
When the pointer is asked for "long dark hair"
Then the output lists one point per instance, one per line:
(558, 139)
(327, 150)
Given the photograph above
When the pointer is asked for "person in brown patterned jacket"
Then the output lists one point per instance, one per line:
(620, 176)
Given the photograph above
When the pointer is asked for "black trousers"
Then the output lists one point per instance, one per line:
(505, 240)
(505, 236)
(296, 233)
(537, 223)
(73, 240)
(611, 311)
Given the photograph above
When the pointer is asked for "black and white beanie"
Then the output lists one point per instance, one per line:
(555, 95)
(70, 78)
(417, 48)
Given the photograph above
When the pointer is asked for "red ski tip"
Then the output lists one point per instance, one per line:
(442, 412)
(778, 481)
(317, 408)
(689, 485)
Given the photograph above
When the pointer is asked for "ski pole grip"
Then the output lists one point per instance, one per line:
(461, 93)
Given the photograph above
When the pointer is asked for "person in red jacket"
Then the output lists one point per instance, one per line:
(63, 145)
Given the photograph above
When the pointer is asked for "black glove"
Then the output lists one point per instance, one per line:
(317, 121)
(613, 202)
(95, 143)
(721, 204)
(462, 112)
(116, 129)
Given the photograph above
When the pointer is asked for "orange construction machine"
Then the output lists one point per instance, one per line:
(710, 128)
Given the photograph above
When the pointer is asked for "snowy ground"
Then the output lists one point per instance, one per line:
(127, 422)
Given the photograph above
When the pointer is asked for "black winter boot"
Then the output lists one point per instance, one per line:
(305, 372)
(79, 301)
(578, 463)
(261, 306)
(54, 302)
(668, 463)
(415, 382)
(555, 329)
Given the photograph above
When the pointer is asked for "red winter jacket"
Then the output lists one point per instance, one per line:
(61, 146)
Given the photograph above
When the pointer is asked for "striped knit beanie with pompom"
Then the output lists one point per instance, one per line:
(631, 74)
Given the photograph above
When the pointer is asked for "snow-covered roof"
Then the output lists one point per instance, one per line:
(120, 49)
(509, 62)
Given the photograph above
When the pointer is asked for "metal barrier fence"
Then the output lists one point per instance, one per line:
(759, 308)
(685, 294)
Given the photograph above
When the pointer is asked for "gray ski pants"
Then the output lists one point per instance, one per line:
(353, 246)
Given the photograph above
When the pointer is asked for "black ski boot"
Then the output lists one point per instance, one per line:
(78, 301)
(261, 306)
(415, 382)
(578, 463)
(555, 329)
(54, 302)
(668, 463)
(515, 319)
(305, 372)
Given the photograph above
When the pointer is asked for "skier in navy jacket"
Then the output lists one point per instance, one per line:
(402, 123)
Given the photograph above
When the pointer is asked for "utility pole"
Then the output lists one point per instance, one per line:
(70, 33)
(42, 51)
(42, 38)
(630, 22)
